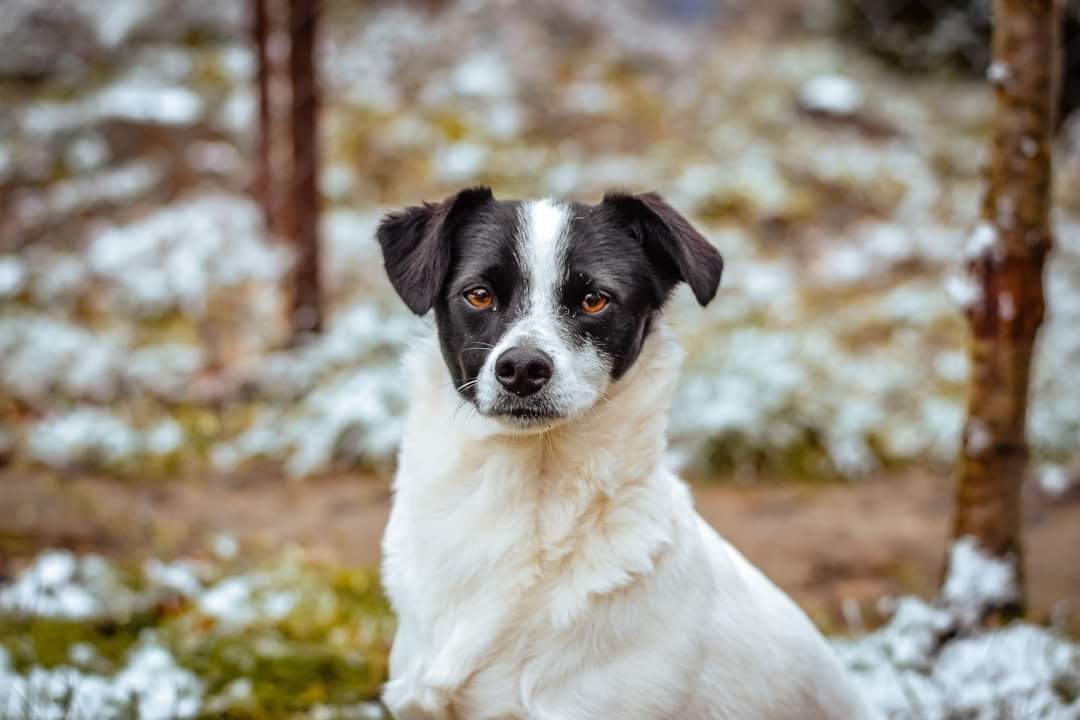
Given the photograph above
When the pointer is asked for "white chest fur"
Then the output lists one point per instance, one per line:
(566, 574)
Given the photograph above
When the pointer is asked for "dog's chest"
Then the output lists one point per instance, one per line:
(504, 685)
(502, 618)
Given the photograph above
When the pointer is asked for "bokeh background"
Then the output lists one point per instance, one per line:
(191, 500)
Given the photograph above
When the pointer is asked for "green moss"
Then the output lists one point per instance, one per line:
(48, 641)
(330, 649)
(286, 677)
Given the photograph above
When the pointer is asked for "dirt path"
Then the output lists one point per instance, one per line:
(833, 548)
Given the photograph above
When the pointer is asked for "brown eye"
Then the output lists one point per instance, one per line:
(480, 298)
(594, 302)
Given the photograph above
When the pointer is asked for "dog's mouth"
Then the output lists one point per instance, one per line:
(524, 414)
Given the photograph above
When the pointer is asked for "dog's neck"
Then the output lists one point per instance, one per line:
(618, 441)
(564, 515)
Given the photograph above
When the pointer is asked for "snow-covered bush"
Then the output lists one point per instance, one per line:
(41, 357)
(339, 398)
(179, 256)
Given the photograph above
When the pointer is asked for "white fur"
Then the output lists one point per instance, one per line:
(580, 373)
(565, 574)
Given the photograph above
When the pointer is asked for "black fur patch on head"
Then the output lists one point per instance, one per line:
(603, 256)
(485, 255)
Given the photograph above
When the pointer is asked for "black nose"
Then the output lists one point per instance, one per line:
(523, 370)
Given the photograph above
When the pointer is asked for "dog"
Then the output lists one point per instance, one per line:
(542, 560)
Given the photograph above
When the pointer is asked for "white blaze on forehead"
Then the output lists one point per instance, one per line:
(542, 250)
(579, 372)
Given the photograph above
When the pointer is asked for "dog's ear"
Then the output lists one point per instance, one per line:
(416, 245)
(676, 249)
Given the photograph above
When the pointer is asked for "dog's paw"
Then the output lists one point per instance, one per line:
(407, 701)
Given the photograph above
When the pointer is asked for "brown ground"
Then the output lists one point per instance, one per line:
(823, 544)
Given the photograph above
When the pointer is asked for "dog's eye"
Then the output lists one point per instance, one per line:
(594, 302)
(480, 298)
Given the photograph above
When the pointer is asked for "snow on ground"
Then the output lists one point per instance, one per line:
(931, 661)
(124, 183)
(81, 640)
(44, 357)
(149, 687)
(60, 584)
(977, 581)
(935, 662)
(339, 398)
(911, 672)
(831, 94)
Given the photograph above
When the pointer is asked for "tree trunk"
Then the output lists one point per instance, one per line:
(1006, 255)
(263, 186)
(306, 315)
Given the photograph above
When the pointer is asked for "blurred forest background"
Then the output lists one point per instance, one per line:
(200, 395)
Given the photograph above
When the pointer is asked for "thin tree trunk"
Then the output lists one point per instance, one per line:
(263, 183)
(306, 316)
(1006, 256)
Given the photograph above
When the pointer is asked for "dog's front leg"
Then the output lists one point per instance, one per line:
(407, 700)
(406, 694)
(426, 693)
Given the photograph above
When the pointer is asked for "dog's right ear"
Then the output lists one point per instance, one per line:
(416, 245)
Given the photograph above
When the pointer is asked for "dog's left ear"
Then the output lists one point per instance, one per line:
(678, 251)
(416, 244)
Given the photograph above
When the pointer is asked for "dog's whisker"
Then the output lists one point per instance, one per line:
(462, 403)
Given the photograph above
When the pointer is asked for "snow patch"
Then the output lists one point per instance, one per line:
(482, 75)
(150, 686)
(40, 356)
(913, 669)
(831, 95)
(61, 585)
(982, 242)
(459, 162)
(179, 256)
(962, 290)
(1054, 480)
(997, 72)
(977, 582)
(95, 437)
(83, 436)
(12, 276)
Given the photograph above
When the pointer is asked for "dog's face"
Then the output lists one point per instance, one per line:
(541, 305)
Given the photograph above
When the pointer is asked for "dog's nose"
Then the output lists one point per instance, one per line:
(523, 370)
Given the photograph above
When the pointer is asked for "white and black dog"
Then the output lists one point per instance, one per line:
(543, 561)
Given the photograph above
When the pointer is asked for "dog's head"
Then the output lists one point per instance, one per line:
(541, 305)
